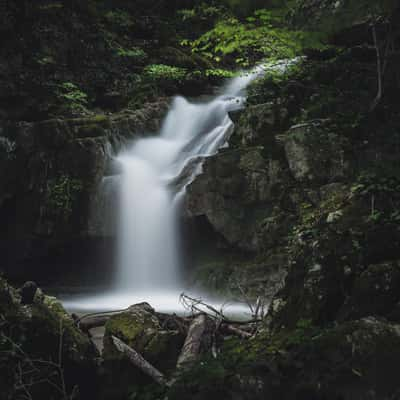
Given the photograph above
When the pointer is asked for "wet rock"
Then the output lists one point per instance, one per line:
(52, 175)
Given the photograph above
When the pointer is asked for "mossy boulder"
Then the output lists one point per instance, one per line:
(141, 329)
(41, 345)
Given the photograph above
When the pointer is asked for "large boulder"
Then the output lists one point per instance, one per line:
(316, 155)
(43, 353)
(235, 192)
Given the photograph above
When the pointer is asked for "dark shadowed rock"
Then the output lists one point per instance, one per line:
(28, 292)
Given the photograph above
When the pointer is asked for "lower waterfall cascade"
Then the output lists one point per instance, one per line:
(155, 172)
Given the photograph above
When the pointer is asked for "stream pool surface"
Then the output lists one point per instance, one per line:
(166, 302)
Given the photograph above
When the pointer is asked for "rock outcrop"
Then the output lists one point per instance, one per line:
(52, 173)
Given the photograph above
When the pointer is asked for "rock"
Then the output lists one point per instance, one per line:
(140, 329)
(45, 336)
(234, 191)
(315, 155)
(356, 359)
(28, 292)
(375, 292)
(51, 180)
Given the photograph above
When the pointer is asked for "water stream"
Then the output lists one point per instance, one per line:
(155, 173)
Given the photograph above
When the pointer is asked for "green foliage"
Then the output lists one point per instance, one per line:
(72, 97)
(219, 73)
(383, 191)
(135, 53)
(120, 19)
(304, 332)
(62, 193)
(371, 183)
(261, 35)
(165, 72)
(202, 11)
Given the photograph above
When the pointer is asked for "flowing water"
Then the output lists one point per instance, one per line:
(155, 173)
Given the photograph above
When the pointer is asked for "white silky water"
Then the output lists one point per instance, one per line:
(155, 173)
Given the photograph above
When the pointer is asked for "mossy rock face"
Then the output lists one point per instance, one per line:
(315, 154)
(235, 192)
(260, 277)
(376, 291)
(343, 261)
(349, 361)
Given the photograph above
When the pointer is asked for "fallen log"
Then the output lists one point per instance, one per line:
(198, 340)
(230, 329)
(93, 322)
(138, 361)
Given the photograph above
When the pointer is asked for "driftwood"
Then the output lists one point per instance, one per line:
(198, 339)
(230, 329)
(203, 329)
(198, 307)
(138, 361)
(93, 322)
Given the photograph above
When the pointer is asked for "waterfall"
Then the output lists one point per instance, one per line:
(148, 235)
(155, 173)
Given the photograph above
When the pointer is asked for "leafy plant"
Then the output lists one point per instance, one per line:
(219, 73)
(120, 18)
(62, 194)
(261, 35)
(135, 52)
(73, 98)
(165, 72)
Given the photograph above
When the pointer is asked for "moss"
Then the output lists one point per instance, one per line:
(91, 130)
(129, 327)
